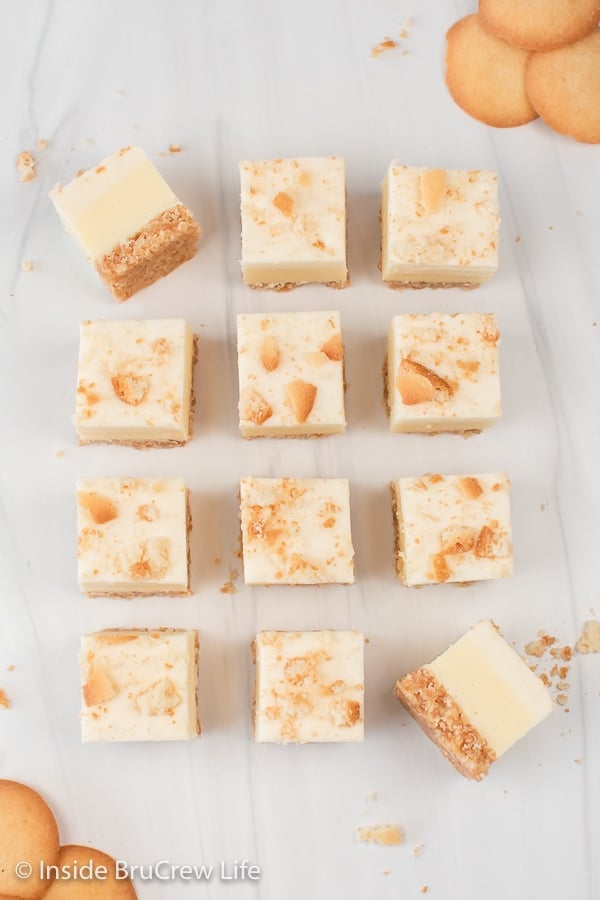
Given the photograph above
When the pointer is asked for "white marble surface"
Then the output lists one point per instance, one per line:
(262, 79)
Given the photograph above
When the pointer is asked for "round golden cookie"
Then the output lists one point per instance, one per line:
(539, 24)
(82, 861)
(486, 76)
(564, 87)
(28, 838)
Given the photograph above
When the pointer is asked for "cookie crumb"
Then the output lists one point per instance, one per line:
(425, 888)
(26, 165)
(228, 588)
(577, 761)
(578, 212)
(4, 701)
(10, 668)
(589, 641)
(518, 239)
(372, 795)
(383, 835)
(385, 871)
(416, 851)
(59, 454)
(27, 265)
(383, 46)
(174, 148)
(217, 560)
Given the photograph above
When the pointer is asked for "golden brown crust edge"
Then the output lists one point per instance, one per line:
(443, 721)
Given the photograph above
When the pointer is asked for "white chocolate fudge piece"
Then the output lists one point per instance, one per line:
(291, 374)
(132, 536)
(135, 382)
(452, 528)
(293, 222)
(439, 227)
(443, 372)
(309, 686)
(296, 531)
(128, 221)
(139, 685)
(475, 700)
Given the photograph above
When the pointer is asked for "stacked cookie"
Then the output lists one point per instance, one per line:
(515, 60)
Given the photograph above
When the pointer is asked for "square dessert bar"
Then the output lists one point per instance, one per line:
(309, 686)
(439, 227)
(133, 536)
(296, 531)
(128, 221)
(452, 528)
(293, 222)
(139, 685)
(134, 382)
(443, 372)
(475, 700)
(291, 374)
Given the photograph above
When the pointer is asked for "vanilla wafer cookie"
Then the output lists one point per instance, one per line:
(539, 24)
(564, 87)
(28, 841)
(486, 75)
(100, 877)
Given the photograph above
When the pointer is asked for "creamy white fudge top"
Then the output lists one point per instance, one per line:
(443, 372)
(113, 201)
(453, 528)
(497, 692)
(134, 380)
(291, 373)
(441, 218)
(294, 211)
(309, 686)
(139, 685)
(132, 535)
(296, 531)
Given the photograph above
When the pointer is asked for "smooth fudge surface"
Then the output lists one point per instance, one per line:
(291, 374)
(452, 528)
(439, 226)
(139, 685)
(134, 381)
(296, 531)
(443, 372)
(309, 686)
(293, 221)
(476, 699)
(132, 536)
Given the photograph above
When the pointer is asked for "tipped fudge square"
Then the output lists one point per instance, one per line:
(134, 382)
(309, 686)
(296, 531)
(133, 536)
(128, 221)
(453, 528)
(475, 700)
(443, 372)
(291, 374)
(139, 685)
(293, 222)
(439, 227)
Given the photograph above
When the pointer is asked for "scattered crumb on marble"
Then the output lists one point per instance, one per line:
(550, 227)
(561, 699)
(416, 851)
(385, 871)
(383, 46)
(26, 166)
(555, 678)
(218, 560)
(27, 265)
(589, 640)
(79, 173)
(367, 640)
(578, 212)
(42, 144)
(174, 148)
(425, 888)
(383, 835)
(542, 507)
(577, 761)
(373, 795)
(10, 668)
(594, 324)
(234, 574)
(538, 647)
(59, 454)
(518, 239)
(228, 588)
(4, 701)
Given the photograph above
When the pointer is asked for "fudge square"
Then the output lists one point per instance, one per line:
(291, 374)
(309, 686)
(443, 372)
(139, 685)
(133, 536)
(439, 227)
(128, 221)
(452, 528)
(134, 382)
(296, 531)
(475, 700)
(293, 222)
